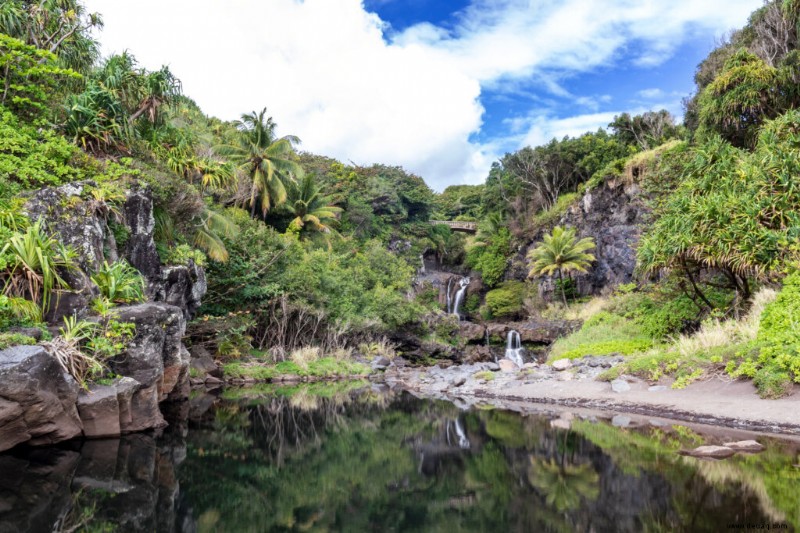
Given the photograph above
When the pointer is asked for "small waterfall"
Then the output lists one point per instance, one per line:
(449, 297)
(514, 348)
(463, 284)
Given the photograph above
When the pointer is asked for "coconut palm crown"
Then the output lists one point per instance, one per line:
(559, 252)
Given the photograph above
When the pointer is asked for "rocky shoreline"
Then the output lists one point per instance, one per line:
(732, 405)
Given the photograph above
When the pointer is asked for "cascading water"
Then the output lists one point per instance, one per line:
(463, 284)
(514, 348)
(449, 297)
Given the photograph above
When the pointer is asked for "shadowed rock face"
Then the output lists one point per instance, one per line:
(128, 484)
(613, 215)
(40, 404)
(37, 399)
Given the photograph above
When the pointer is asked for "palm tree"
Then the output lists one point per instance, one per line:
(311, 208)
(266, 159)
(561, 252)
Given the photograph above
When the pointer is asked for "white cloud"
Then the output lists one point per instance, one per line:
(327, 74)
(650, 94)
(543, 128)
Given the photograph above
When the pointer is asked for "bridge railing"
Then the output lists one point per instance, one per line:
(458, 225)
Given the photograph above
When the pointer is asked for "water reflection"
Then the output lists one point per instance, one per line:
(351, 458)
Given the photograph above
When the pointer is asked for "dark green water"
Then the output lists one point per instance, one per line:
(322, 458)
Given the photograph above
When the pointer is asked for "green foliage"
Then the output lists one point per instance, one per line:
(7, 340)
(31, 261)
(325, 367)
(264, 158)
(490, 258)
(506, 299)
(561, 251)
(459, 202)
(120, 282)
(182, 254)
(753, 234)
(746, 92)
(111, 339)
(34, 157)
(778, 362)
(30, 77)
(551, 215)
(604, 333)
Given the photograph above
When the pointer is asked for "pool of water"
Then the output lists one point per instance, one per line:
(351, 458)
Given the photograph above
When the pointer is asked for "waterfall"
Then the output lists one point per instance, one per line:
(514, 348)
(449, 297)
(463, 284)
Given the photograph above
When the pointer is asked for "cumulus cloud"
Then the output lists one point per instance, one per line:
(328, 74)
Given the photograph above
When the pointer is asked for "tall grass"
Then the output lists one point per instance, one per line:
(715, 334)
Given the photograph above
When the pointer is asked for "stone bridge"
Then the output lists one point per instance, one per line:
(458, 225)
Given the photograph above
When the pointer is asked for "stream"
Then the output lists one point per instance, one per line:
(352, 457)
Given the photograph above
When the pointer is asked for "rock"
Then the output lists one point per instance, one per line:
(620, 385)
(750, 446)
(211, 380)
(458, 381)
(657, 388)
(381, 363)
(714, 452)
(444, 364)
(494, 367)
(156, 354)
(562, 364)
(140, 250)
(204, 365)
(528, 366)
(144, 411)
(66, 304)
(399, 362)
(471, 332)
(182, 286)
(566, 376)
(506, 365)
(98, 408)
(37, 399)
(621, 421)
(475, 353)
(75, 222)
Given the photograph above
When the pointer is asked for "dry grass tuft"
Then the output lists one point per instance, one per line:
(302, 357)
(715, 333)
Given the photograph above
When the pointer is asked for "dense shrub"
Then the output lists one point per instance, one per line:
(491, 259)
(506, 300)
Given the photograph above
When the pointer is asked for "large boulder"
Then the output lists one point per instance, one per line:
(180, 285)
(75, 222)
(140, 248)
(471, 332)
(37, 399)
(156, 355)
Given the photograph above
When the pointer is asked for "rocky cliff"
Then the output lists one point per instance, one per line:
(39, 403)
(613, 214)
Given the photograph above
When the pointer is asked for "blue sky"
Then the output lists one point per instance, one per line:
(440, 88)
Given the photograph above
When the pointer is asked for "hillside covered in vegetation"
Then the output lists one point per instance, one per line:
(683, 252)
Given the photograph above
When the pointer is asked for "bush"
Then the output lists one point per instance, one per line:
(491, 259)
(778, 362)
(120, 282)
(506, 300)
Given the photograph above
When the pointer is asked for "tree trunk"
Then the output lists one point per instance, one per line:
(561, 282)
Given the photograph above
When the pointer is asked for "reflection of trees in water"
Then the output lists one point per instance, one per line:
(367, 462)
